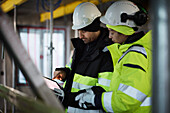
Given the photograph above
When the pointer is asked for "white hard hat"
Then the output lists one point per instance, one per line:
(84, 14)
(113, 13)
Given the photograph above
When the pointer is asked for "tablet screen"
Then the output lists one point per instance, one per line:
(51, 83)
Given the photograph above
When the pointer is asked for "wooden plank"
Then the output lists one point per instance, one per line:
(25, 103)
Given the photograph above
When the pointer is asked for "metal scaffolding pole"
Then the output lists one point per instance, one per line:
(51, 39)
(16, 50)
(160, 25)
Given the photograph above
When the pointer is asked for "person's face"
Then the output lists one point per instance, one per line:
(117, 37)
(87, 36)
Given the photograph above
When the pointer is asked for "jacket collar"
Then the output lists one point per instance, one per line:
(134, 37)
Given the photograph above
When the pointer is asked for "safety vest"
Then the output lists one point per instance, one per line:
(130, 88)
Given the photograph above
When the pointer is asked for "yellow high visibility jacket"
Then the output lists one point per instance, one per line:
(130, 88)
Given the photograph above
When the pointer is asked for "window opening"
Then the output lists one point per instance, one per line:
(36, 42)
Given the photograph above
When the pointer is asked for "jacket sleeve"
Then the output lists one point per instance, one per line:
(131, 85)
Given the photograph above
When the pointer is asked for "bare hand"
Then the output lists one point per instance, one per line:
(60, 75)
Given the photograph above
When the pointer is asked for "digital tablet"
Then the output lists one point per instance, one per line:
(52, 84)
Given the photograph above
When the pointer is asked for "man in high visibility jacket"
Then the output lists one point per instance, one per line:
(91, 63)
(130, 86)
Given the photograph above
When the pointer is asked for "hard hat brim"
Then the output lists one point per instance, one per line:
(80, 27)
(104, 20)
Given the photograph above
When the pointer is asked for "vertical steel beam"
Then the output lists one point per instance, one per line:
(161, 75)
(16, 50)
(51, 39)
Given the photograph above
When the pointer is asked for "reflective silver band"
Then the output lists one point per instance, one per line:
(105, 49)
(131, 91)
(134, 48)
(147, 102)
(107, 101)
(80, 86)
(104, 82)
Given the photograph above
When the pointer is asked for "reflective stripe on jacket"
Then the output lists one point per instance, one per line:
(84, 82)
(130, 88)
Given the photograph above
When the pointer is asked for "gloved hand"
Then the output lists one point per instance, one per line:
(87, 98)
